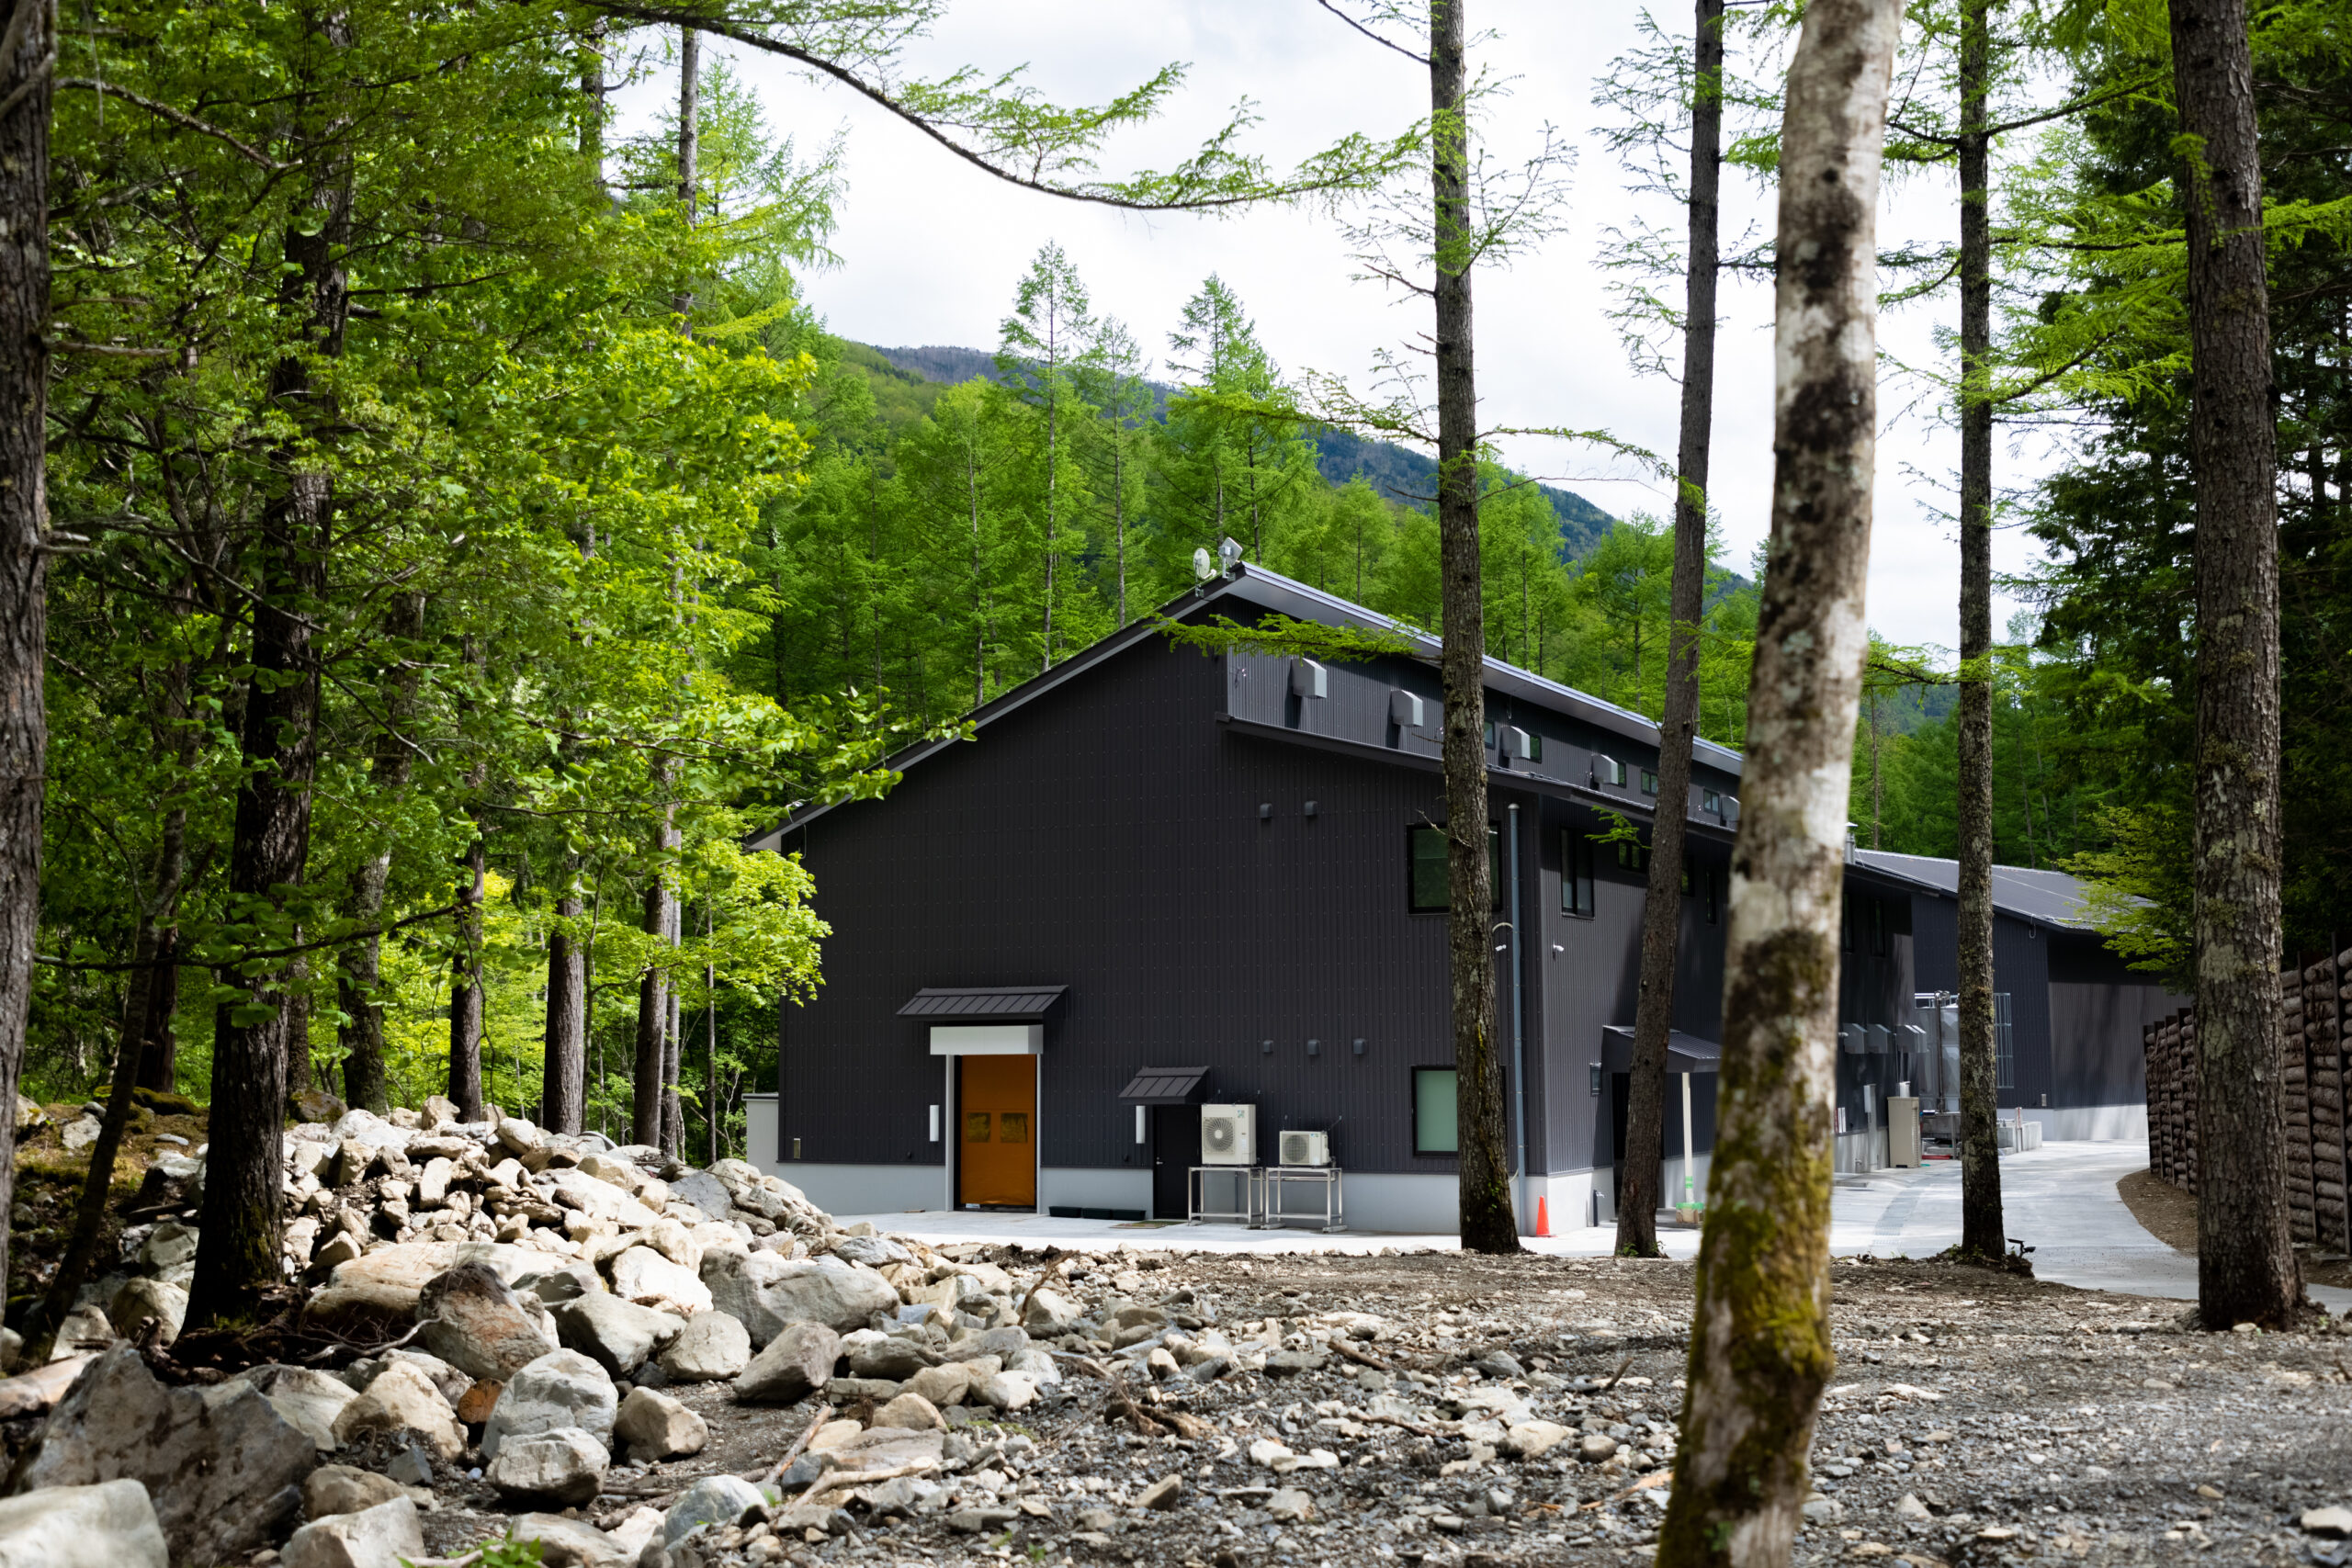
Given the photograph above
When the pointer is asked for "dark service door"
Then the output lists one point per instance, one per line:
(1175, 1149)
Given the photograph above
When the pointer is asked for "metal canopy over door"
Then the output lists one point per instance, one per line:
(996, 1103)
(1171, 1098)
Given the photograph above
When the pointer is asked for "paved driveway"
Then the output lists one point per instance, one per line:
(2060, 1199)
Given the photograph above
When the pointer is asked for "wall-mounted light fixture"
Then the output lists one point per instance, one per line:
(795, 1148)
(1315, 1047)
(1265, 811)
(1265, 1047)
(1143, 1125)
(1309, 808)
(1595, 1077)
(935, 1123)
(1359, 1047)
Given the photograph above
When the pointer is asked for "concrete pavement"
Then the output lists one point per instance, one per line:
(2060, 1199)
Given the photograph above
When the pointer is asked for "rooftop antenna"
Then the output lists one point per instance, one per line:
(1229, 552)
(1203, 567)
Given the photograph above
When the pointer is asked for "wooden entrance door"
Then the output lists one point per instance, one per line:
(996, 1164)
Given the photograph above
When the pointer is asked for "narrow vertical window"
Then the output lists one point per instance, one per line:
(1576, 873)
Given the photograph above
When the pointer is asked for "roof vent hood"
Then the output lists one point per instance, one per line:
(1407, 710)
(1309, 679)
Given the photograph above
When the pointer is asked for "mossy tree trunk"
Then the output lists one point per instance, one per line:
(1760, 1341)
(2247, 1270)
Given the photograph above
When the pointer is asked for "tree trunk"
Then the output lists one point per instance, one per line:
(1488, 1223)
(24, 570)
(563, 1085)
(652, 990)
(689, 147)
(2247, 1270)
(238, 1255)
(1981, 1230)
(710, 1056)
(1759, 1339)
(1637, 1197)
(364, 1082)
(466, 1026)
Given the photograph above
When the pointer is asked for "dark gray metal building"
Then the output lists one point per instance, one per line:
(2068, 1012)
(1224, 869)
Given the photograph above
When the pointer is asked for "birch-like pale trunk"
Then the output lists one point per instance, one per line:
(1637, 1197)
(2247, 1270)
(1759, 1339)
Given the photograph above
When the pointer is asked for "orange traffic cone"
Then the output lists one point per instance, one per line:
(1542, 1217)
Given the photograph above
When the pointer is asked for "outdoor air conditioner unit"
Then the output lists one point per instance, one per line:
(1607, 769)
(1307, 1148)
(1407, 710)
(1309, 679)
(1229, 1134)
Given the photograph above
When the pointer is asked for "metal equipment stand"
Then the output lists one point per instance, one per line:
(1325, 1175)
(1197, 1191)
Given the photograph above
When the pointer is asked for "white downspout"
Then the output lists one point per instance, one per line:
(1518, 1037)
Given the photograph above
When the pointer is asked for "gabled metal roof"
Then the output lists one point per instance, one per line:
(1271, 591)
(983, 1004)
(1165, 1085)
(2045, 898)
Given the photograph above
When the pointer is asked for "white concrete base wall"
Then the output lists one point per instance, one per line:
(2090, 1124)
(1415, 1206)
(864, 1188)
(1121, 1187)
(1853, 1152)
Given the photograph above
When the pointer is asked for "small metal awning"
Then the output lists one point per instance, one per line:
(1166, 1086)
(1684, 1053)
(983, 1004)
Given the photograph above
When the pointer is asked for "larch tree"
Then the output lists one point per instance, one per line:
(2247, 1270)
(1760, 1342)
(1638, 1194)
(28, 58)
(1049, 334)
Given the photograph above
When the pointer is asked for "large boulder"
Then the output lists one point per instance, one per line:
(573, 1543)
(388, 1281)
(144, 1301)
(564, 1389)
(619, 1335)
(705, 1191)
(563, 1466)
(472, 1321)
(309, 1398)
(715, 1500)
(655, 1426)
(343, 1489)
(386, 1536)
(765, 1292)
(401, 1398)
(712, 1348)
(799, 1360)
(876, 1355)
(110, 1525)
(576, 1189)
(644, 1275)
(223, 1469)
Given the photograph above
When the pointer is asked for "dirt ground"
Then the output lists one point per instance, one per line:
(1974, 1419)
(2169, 1214)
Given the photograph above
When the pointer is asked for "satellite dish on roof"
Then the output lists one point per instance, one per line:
(1203, 567)
(1229, 552)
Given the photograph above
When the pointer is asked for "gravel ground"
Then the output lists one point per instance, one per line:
(1975, 1419)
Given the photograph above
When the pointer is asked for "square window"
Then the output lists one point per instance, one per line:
(1534, 746)
(1633, 855)
(976, 1126)
(1711, 801)
(1013, 1127)
(1428, 891)
(1436, 1130)
(1576, 873)
(1649, 781)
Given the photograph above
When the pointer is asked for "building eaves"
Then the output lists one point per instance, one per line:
(1271, 591)
(2049, 899)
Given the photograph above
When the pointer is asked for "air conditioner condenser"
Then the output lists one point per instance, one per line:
(1229, 1134)
(1307, 1148)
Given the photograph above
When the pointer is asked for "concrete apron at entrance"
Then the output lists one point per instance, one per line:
(2060, 1199)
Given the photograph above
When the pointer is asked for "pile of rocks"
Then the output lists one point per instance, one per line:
(541, 1301)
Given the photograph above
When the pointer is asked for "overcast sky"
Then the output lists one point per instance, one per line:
(932, 249)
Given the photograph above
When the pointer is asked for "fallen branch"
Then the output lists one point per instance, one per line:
(1361, 1358)
(1053, 1270)
(1655, 1478)
(846, 1479)
(824, 1414)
